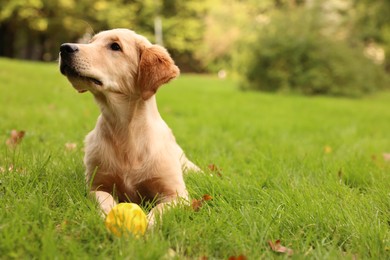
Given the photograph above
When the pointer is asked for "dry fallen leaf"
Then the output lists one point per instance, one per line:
(207, 197)
(51, 106)
(70, 146)
(386, 157)
(277, 247)
(15, 138)
(11, 169)
(171, 254)
(240, 257)
(214, 168)
(340, 173)
(327, 149)
(350, 256)
(61, 226)
(196, 204)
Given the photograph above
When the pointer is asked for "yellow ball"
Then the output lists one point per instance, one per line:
(126, 218)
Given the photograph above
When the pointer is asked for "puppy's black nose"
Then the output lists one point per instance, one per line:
(68, 48)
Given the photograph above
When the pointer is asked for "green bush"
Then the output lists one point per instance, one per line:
(292, 54)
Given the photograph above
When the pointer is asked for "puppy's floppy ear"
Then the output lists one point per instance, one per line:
(156, 67)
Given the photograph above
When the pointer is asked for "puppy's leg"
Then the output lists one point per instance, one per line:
(187, 165)
(170, 198)
(159, 209)
(105, 200)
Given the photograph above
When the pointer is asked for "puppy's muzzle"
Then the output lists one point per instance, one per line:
(67, 49)
(70, 65)
(67, 52)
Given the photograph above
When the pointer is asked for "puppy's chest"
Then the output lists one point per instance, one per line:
(128, 160)
(133, 157)
(129, 171)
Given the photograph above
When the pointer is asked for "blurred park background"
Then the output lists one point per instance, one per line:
(327, 47)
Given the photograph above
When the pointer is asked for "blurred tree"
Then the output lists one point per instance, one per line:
(373, 25)
(200, 34)
(14, 17)
(225, 23)
(295, 53)
(231, 22)
(33, 29)
(183, 23)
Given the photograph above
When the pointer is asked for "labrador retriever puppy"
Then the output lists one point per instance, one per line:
(131, 155)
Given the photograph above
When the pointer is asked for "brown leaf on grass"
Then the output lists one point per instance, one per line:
(171, 254)
(12, 169)
(61, 226)
(386, 157)
(240, 257)
(70, 146)
(196, 204)
(207, 197)
(52, 106)
(15, 138)
(327, 149)
(350, 256)
(277, 247)
(340, 173)
(214, 168)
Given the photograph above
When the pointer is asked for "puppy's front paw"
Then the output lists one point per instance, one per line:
(155, 216)
(151, 221)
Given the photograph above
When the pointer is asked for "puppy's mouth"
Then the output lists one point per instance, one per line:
(70, 72)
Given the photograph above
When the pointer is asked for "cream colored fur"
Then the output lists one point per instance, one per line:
(131, 154)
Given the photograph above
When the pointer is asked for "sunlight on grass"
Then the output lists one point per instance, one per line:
(307, 171)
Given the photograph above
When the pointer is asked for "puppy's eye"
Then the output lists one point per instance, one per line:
(115, 46)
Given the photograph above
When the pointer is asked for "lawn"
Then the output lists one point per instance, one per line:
(313, 173)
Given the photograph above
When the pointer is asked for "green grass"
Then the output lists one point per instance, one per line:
(277, 181)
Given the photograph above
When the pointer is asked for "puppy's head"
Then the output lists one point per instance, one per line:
(117, 61)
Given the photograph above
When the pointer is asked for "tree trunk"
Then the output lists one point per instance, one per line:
(41, 46)
(7, 40)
